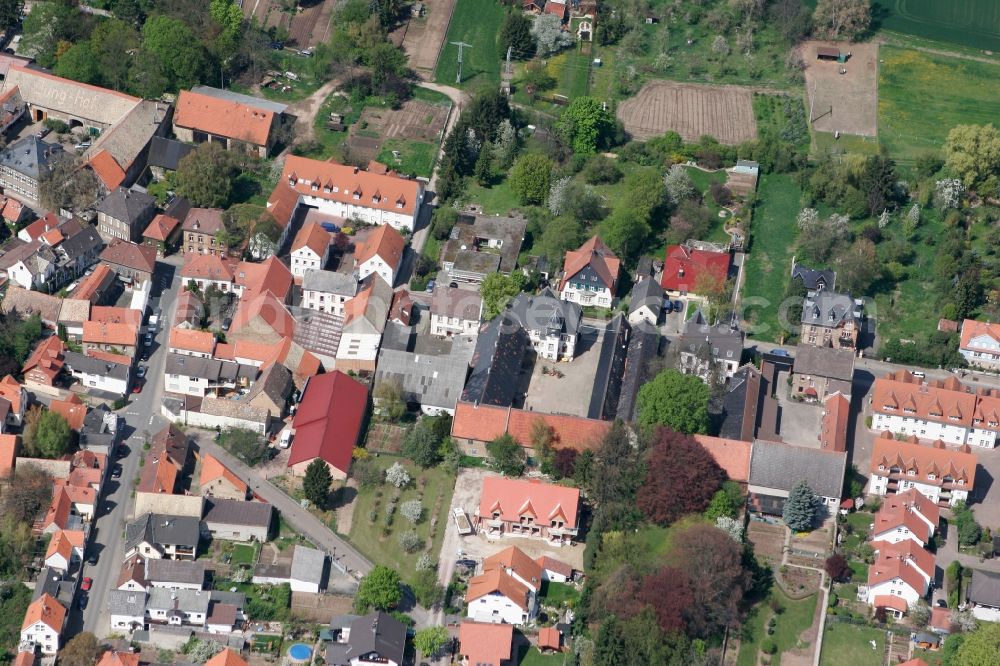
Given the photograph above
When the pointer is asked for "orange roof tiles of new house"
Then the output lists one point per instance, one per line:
(497, 581)
(47, 610)
(116, 658)
(63, 542)
(596, 254)
(52, 237)
(972, 329)
(929, 464)
(901, 510)
(485, 644)
(549, 638)
(189, 339)
(114, 315)
(107, 169)
(46, 358)
(222, 117)
(384, 242)
(212, 469)
(8, 455)
(59, 508)
(71, 409)
(906, 560)
(110, 334)
(546, 502)
(909, 397)
(346, 184)
(516, 560)
(551, 564)
(314, 237)
(108, 357)
(732, 455)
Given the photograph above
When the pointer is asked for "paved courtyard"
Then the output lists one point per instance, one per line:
(569, 394)
(800, 421)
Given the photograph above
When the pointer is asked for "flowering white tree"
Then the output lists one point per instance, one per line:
(412, 510)
(912, 220)
(397, 475)
(549, 35)
(678, 183)
(807, 218)
(883, 219)
(731, 526)
(557, 196)
(425, 562)
(720, 45)
(505, 144)
(948, 193)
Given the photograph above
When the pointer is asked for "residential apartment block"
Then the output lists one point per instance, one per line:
(945, 476)
(980, 344)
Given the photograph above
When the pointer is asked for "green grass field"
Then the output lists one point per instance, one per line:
(922, 96)
(772, 235)
(475, 22)
(788, 625)
(530, 656)
(368, 537)
(972, 23)
(416, 158)
(845, 643)
(556, 594)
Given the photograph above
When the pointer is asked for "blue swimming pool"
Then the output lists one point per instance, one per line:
(300, 652)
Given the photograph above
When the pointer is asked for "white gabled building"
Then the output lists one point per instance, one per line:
(380, 253)
(980, 343)
(983, 595)
(497, 596)
(310, 249)
(907, 515)
(944, 476)
(455, 312)
(328, 291)
(591, 275)
(901, 575)
(42, 625)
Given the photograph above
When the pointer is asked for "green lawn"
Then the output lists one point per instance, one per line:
(475, 22)
(556, 594)
(922, 96)
(796, 617)
(368, 537)
(824, 142)
(498, 199)
(845, 643)
(416, 158)
(772, 236)
(574, 80)
(530, 656)
(972, 23)
(244, 553)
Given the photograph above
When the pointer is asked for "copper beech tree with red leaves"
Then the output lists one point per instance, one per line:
(712, 563)
(681, 477)
(668, 593)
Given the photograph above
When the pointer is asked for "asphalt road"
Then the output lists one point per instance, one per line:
(142, 421)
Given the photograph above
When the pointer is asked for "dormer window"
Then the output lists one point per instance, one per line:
(931, 476)
(911, 472)
(881, 468)
(314, 186)
(889, 408)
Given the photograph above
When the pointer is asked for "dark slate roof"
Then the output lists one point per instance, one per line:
(376, 632)
(125, 205)
(237, 512)
(546, 313)
(432, 380)
(82, 242)
(30, 156)
(174, 571)
(156, 528)
(984, 588)
(496, 363)
(90, 365)
(166, 153)
(826, 308)
(644, 268)
(610, 369)
(642, 348)
(824, 362)
(813, 279)
(741, 404)
(276, 382)
(779, 466)
(648, 292)
(726, 342)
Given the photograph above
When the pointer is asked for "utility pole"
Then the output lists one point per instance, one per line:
(460, 45)
(505, 84)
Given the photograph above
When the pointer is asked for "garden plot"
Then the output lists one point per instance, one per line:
(724, 112)
(843, 97)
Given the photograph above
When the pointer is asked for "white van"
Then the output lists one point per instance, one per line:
(286, 438)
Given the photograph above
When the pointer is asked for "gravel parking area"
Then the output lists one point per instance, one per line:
(477, 546)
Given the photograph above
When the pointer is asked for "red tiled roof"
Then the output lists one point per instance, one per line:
(212, 469)
(227, 657)
(386, 243)
(549, 638)
(551, 564)
(890, 601)
(157, 476)
(207, 267)
(161, 227)
(47, 610)
(906, 509)
(107, 170)
(70, 409)
(314, 237)
(973, 329)
(270, 275)
(8, 454)
(222, 117)
(12, 390)
(485, 423)
(52, 237)
(104, 314)
(108, 357)
(940, 619)
(497, 581)
(63, 542)
(328, 420)
(12, 209)
(904, 395)
(110, 334)
(597, 255)
(130, 255)
(890, 453)
(514, 560)
(87, 288)
(269, 309)
(833, 427)
(484, 644)
(189, 339)
(47, 357)
(512, 498)
(58, 511)
(732, 455)
(206, 221)
(45, 223)
(346, 184)
(683, 268)
(115, 658)
(906, 561)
